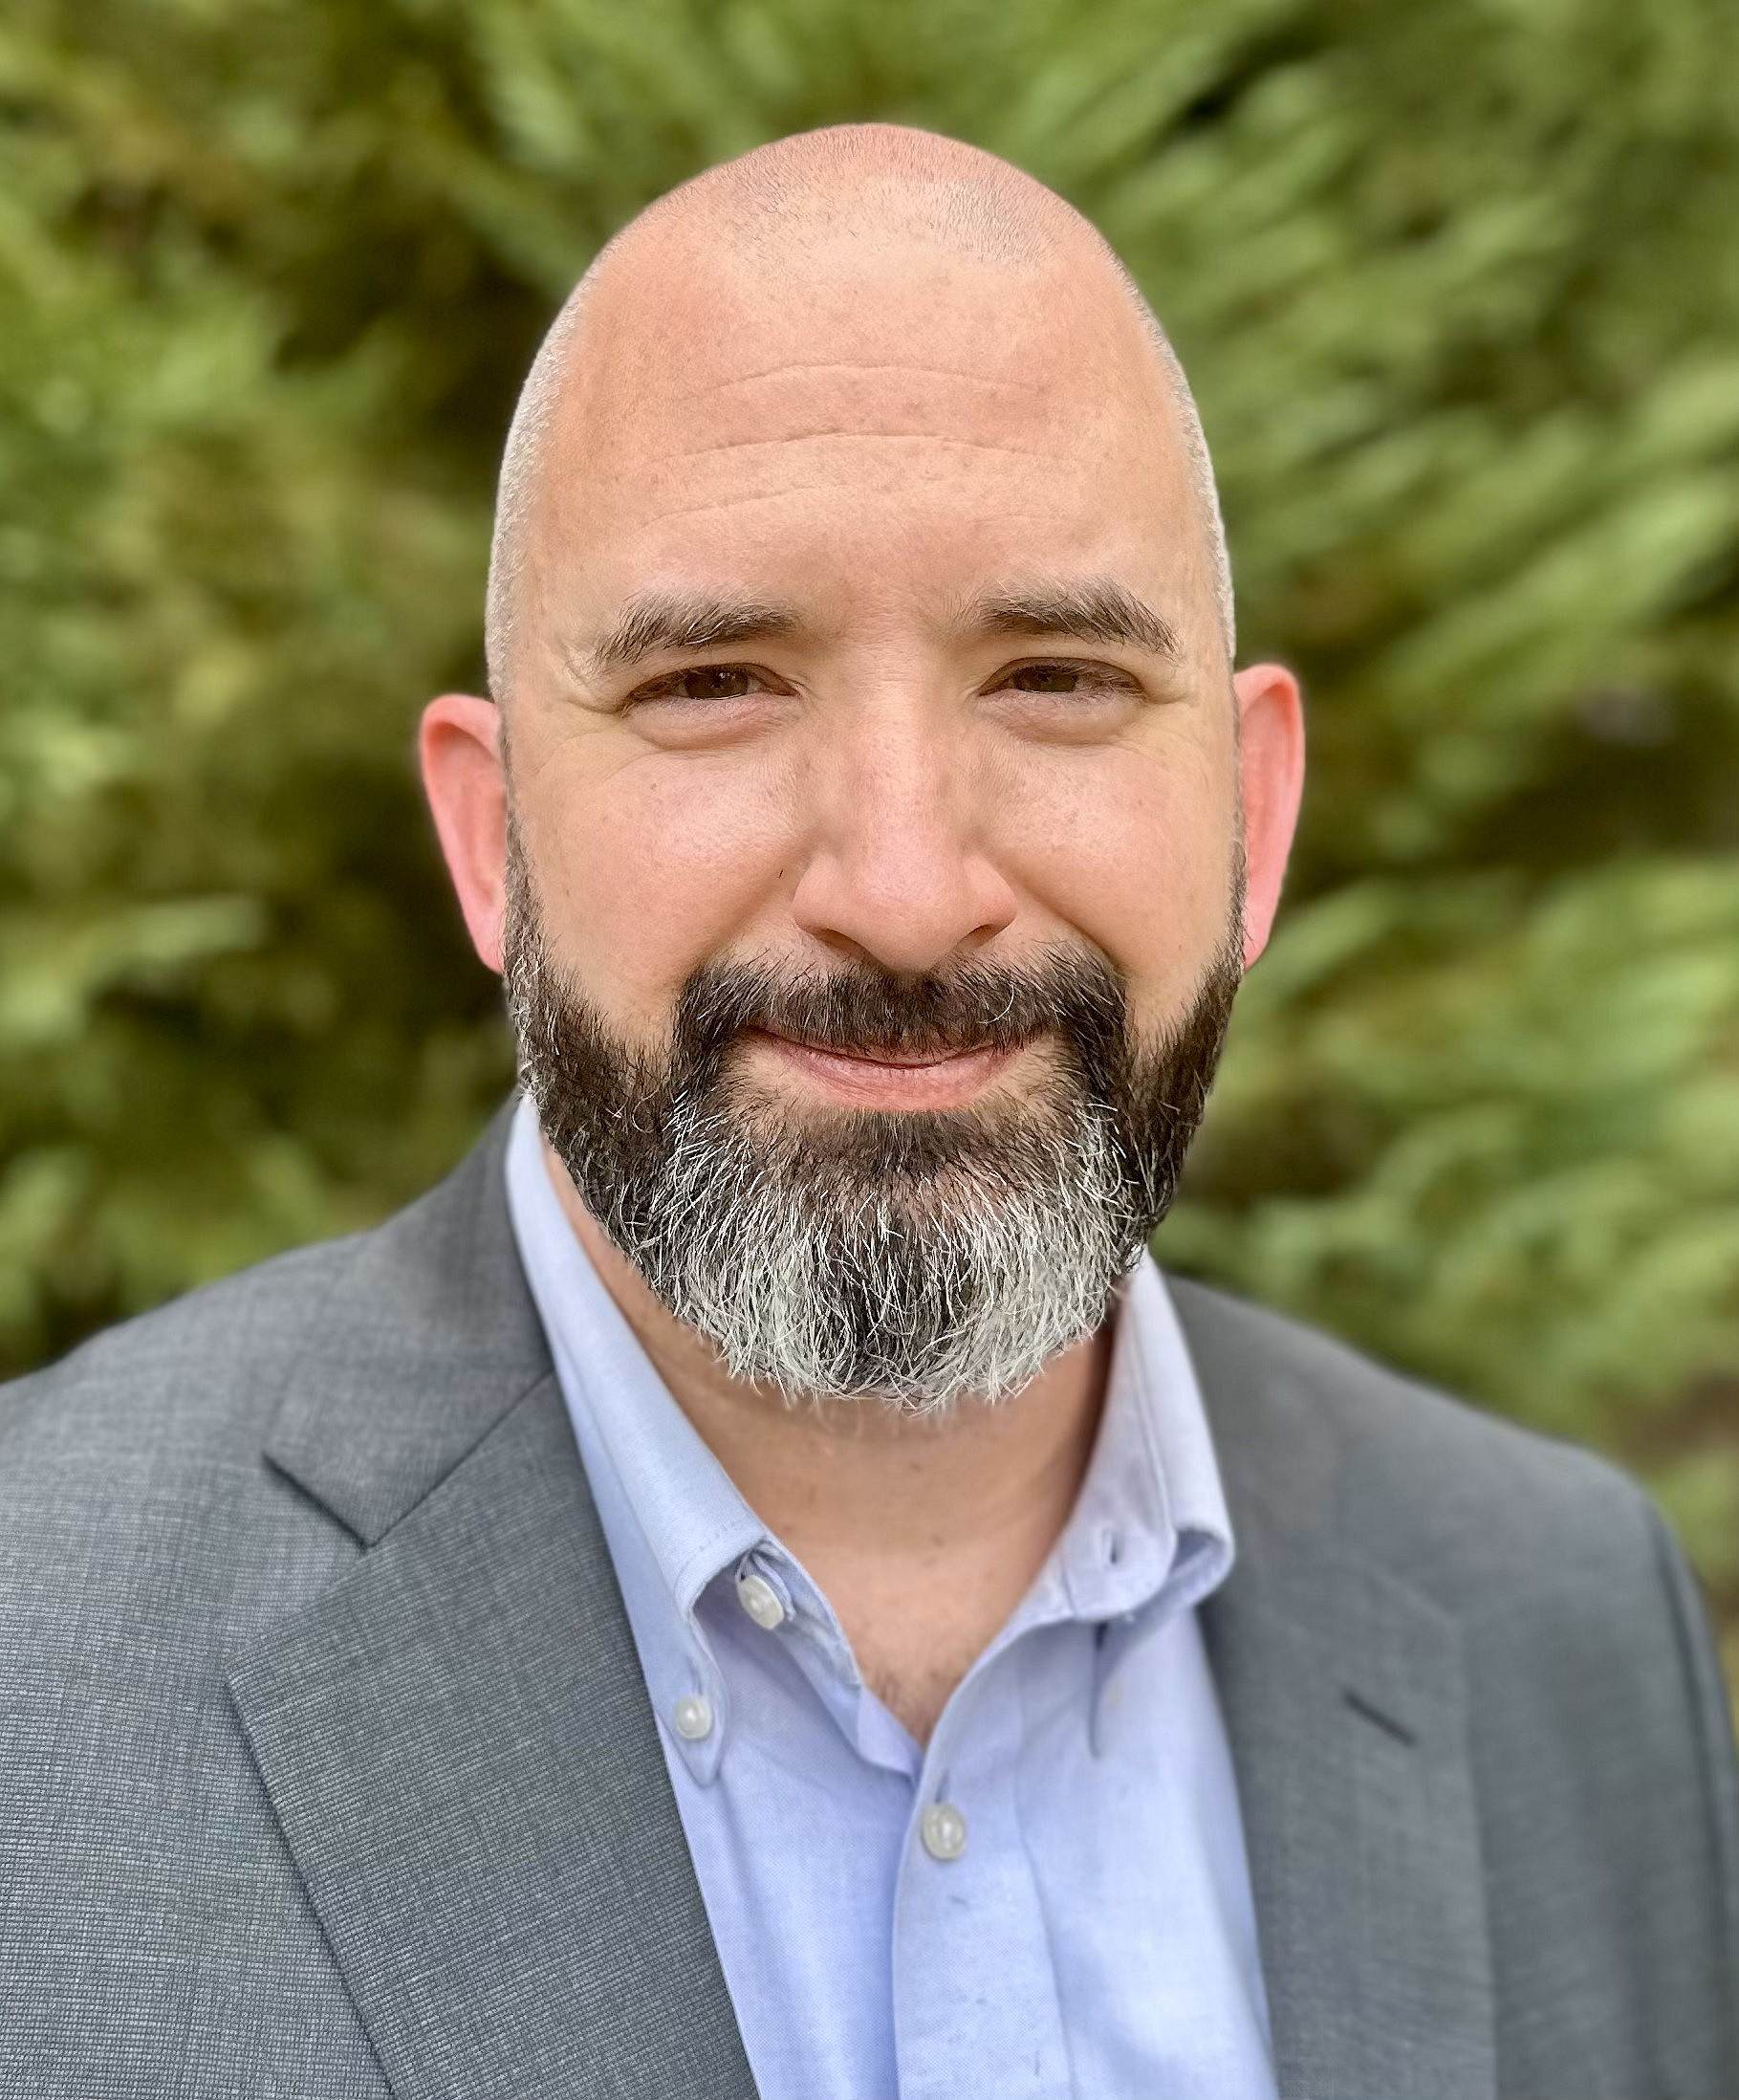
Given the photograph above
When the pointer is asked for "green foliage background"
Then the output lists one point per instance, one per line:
(1459, 292)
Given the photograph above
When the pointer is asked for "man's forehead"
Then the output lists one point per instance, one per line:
(681, 347)
(956, 393)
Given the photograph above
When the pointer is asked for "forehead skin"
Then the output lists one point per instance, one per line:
(775, 362)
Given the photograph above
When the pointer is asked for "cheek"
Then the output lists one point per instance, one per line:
(1133, 849)
(656, 868)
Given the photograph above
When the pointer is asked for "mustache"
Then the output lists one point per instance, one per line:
(865, 1009)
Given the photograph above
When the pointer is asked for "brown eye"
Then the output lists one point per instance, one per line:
(708, 682)
(1046, 678)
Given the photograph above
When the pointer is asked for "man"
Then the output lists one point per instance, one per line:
(757, 1583)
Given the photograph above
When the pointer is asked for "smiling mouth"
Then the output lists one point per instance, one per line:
(901, 1060)
(908, 1078)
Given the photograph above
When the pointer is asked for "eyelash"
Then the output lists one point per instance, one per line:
(663, 688)
(1094, 676)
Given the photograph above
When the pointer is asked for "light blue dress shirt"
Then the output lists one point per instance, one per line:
(1051, 1898)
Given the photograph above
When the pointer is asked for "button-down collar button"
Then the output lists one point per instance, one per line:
(943, 1830)
(693, 1718)
(760, 1600)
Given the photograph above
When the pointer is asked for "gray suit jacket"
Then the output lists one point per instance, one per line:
(326, 1767)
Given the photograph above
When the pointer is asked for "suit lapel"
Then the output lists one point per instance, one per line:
(455, 1737)
(1345, 1707)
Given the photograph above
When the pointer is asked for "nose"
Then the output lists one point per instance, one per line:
(900, 872)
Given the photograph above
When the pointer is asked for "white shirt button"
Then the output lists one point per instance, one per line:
(760, 1600)
(943, 1830)
(694, 1718)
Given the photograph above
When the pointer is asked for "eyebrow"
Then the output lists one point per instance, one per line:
(657, 622)
(660, 622)
(1095, 611)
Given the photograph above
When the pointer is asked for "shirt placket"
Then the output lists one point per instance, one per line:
(975, 1998)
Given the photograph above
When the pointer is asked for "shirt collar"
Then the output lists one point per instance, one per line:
(1149, 1524)
(1151, 1517)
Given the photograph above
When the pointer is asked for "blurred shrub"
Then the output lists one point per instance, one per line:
(1459, 289)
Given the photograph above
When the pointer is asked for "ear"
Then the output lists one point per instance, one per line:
(458, 747)
(1270, 734)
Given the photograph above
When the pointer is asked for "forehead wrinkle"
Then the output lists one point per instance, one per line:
(867, 437)
(863, 364)
(830, 398)
(940, 478)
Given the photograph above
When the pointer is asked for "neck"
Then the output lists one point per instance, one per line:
(923, 1532)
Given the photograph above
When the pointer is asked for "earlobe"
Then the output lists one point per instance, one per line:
(459, 750)
(1271, 718)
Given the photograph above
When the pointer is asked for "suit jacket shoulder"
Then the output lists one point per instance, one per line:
(1596, 1725)
(1463, 1502)
(154, 1935)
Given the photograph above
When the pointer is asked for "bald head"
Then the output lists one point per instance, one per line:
(829, 228)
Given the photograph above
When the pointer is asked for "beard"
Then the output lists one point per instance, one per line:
(916, 1257)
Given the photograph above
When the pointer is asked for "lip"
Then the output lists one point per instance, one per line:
(893, 1082)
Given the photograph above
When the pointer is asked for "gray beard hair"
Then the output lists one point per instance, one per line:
(969, 1290)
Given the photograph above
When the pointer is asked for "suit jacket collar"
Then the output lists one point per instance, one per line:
(459, 1748)
(430, 1340)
